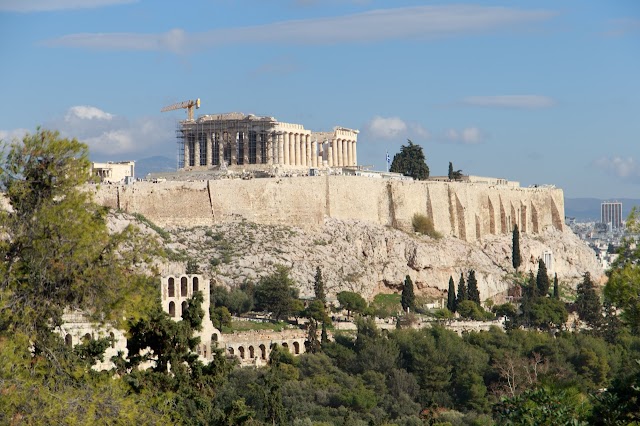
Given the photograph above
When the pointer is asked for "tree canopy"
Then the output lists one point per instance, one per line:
(276, 293)
(516, 257)
(410, 161)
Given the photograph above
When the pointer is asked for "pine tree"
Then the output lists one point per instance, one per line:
(556, 288)
(318, 286)
(410, 161)
(542, 279)
(408, 300)
(451, 295)
(516, 258)
(472, 286)
(588, 303)
(462, 291)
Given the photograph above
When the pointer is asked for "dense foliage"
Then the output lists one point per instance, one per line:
(535, 373)
(410, 161)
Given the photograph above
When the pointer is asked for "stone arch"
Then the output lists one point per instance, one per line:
(296, 348)
(87, 337)
(285, 345)
(523, 218)
(252, 352)
(263, 351)
(172, 287)
(172, 309)
(195, 284)
(462, 228)
(535, 221)
(214, 337)
(241, 352)
(183, 287)
(183, 307)
(68, 340)
(492, 218)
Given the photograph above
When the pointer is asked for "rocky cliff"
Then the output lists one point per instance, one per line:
(369, 259)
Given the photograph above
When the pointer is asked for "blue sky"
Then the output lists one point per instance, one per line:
(543, 92)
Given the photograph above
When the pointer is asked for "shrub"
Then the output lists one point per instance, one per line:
(424, 225)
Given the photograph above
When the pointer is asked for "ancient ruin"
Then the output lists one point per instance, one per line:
(249, 141)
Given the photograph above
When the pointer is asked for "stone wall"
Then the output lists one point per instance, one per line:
(464, 210)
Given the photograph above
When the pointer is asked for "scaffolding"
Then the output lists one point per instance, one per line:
(244, 140)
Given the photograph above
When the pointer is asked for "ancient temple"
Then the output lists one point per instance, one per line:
(250, 141)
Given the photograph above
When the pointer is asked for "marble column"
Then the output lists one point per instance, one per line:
(259, 143)
(303, 150)
(186, 152)
(334, 153)
(355, 153)
(296, 138)
(340, 159)
(280, 138)
(330, 154)
(285, 137)
(314, 153)
(209, 159)
(245, 148)
(220, 139)
(196, 150)
(270, 149)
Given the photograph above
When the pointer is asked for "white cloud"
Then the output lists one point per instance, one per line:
(84, 112)
(111, 136)
(50, 5)
(624, 168)
(9, 136)
(468, 136)
(394, 128)
(510, 101)
(422, 22)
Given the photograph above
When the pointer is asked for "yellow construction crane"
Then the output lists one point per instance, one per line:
(188, 105)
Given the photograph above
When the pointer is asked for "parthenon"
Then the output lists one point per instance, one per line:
(236, 139)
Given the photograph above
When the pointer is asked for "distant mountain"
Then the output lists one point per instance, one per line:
(157, 164)
(584, 209)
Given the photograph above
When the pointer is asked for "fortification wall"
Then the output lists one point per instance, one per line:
(461, 209)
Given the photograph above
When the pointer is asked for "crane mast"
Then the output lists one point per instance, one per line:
(188, 105)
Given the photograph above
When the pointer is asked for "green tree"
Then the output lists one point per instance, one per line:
(410, 161)
(516, 257)
(542, 279)
(556, 287)
(276, 293)
(56, 249)
(451, 296)
(408, 299)
(588, 303)
(462, 291)
(192, 267)
(318, 286)
(472, 287)
(450, 175)
(547, 313)
(352, 302)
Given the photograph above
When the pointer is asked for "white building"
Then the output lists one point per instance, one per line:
(114, 172)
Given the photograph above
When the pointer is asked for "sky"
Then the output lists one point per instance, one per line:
(541, 92)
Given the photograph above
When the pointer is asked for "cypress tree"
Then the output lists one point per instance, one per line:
(324, 337)
(318, 286)
(451, 295)
(450, 170)
(462, 291)
(556, 288)
(472, 286)
(542, 279)
(588, 303)
(516, 258)
(408, 300)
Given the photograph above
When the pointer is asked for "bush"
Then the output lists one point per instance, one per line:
(424, 225)
(469, 309)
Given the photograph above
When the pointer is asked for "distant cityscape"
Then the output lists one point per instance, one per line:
(605, 235)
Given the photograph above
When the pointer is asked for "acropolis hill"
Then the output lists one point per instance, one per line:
(468, 211)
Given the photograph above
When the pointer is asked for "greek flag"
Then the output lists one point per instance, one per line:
(388, 161)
